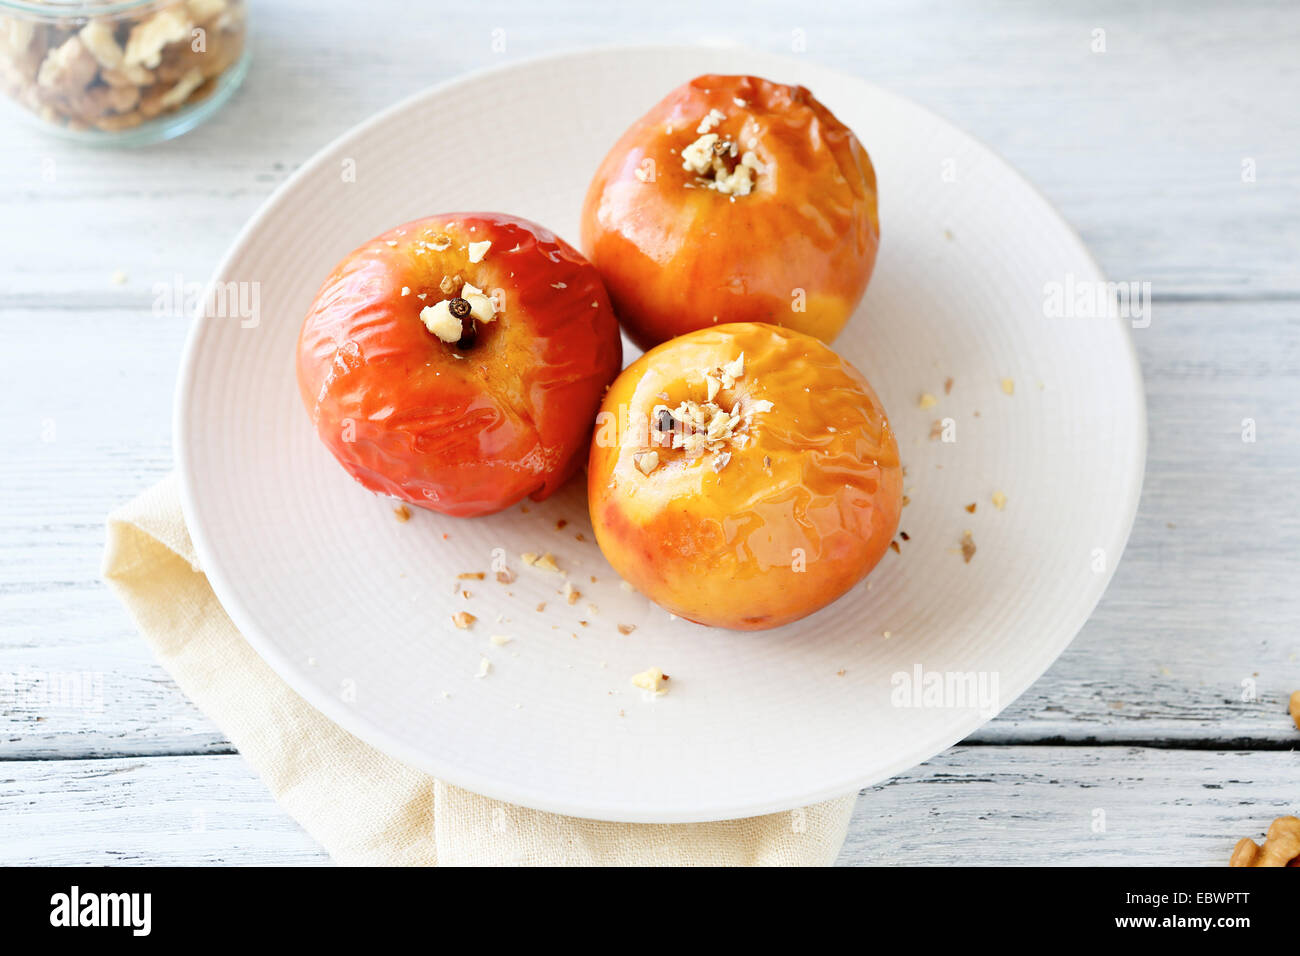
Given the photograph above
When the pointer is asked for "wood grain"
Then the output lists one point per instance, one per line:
(995, 805)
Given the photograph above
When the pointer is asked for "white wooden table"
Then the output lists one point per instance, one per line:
(1144, 720)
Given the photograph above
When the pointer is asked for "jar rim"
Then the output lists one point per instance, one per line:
(64, 9)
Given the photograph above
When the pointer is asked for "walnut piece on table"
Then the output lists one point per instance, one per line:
(1281, 846)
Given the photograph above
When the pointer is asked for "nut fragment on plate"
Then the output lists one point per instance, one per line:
(1281, 846)
(653, 680)
(1294, 709)
(114, 71)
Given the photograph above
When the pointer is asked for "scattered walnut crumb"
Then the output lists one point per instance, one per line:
(463, 620)
(906, 500)
(402, 513)
(500, 640)
(571, 594)
(1008, 386)
(471, 576)
(947, 386)
(1295, 708)
(541, 607)
(652, 680)
(544, 561)
(893, 546)
(1281, 846)
(579, 537)
(626, 629)
(971, 507)
(967, 546)
(927, 400)
(999, 500)
(505, 576)
(841, 672)
(936, 430)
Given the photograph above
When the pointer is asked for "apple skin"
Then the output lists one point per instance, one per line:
(818, 484)
(797, 251)
(463, 432)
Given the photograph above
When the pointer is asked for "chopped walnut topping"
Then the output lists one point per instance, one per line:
(441, 320)
(707, 157)
(477, 250)
(463, 620)
(652, 680)
(402, 513)
(646, 462)
(967, 546)
(571, 594)
(626, 629)
(710, 121)
(505, 576)
(704, 428)
(698, 157)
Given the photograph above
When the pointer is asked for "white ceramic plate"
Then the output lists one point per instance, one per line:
(353, 608)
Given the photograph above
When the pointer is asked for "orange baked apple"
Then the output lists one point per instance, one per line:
(743, 476)
(456, 362)
(735, 199)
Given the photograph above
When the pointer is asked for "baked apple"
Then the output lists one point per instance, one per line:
(456, 362)
(733, 200)
(743, 476)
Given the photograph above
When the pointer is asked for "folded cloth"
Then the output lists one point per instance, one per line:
(363, 806)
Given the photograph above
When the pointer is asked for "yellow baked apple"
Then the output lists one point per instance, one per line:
(743, 476)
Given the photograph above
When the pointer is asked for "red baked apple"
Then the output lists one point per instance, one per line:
(456, 362)
(743, 476)
(733, 200)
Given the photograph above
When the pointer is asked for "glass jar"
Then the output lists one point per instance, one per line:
(127, 72)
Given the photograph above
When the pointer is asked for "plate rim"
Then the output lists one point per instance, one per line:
(295, 675)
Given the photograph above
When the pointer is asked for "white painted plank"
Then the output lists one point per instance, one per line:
(1012, 806)
(972, 805)
(155, 811)
(1141, 146)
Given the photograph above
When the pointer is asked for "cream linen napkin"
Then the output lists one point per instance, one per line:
(365, 808)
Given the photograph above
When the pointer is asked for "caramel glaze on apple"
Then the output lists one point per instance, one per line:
(463, 428)
(794, 519)
(677, 255)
